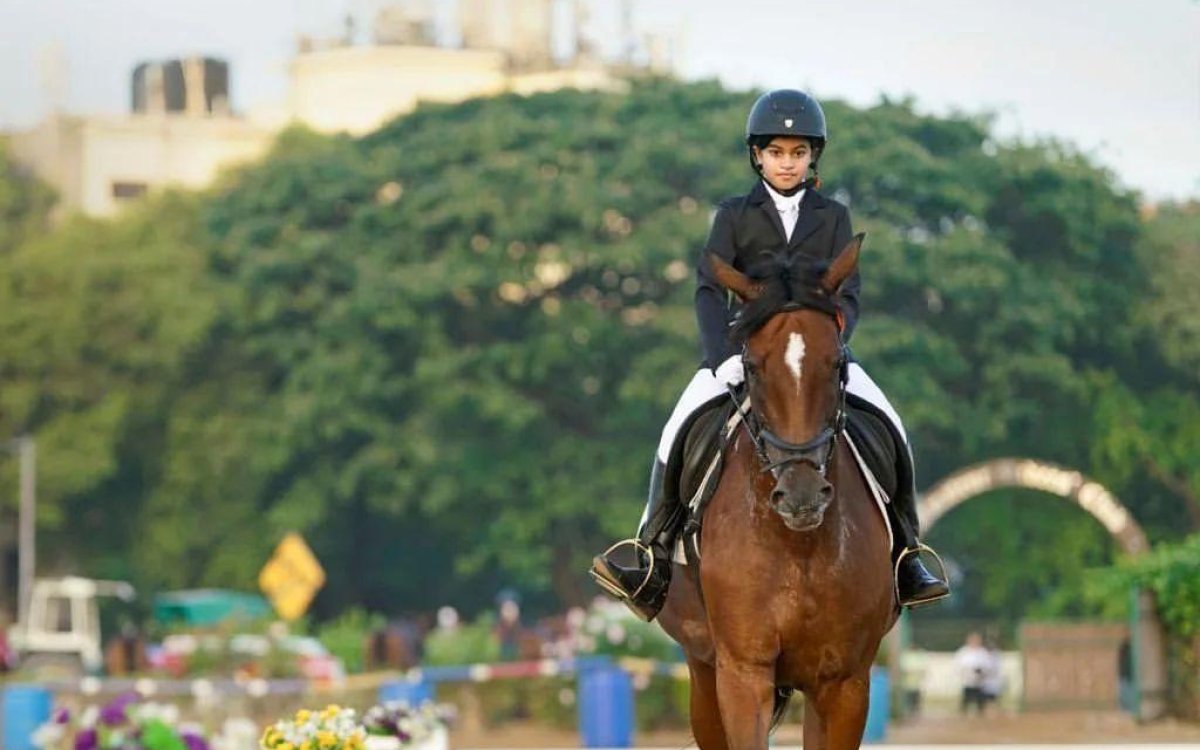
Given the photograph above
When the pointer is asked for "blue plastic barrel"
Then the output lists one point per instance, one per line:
(24, 709)
(407, 691)
(605, 707)
(880, 706)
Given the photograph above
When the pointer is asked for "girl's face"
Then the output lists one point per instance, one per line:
(785, 161)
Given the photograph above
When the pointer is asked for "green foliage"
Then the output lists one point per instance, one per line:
(25, 203)
(346, 635)
(158, 735)
(1019, 553)
(1172, 572)
(473, 643)
(443, 352)
(1170, 251)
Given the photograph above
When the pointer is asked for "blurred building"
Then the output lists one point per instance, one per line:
(181, 129)
(521, 29)
(179, 132)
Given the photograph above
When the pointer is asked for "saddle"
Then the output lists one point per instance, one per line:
(695, 462)
(878, 443)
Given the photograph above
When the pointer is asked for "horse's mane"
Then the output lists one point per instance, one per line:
(786, 282)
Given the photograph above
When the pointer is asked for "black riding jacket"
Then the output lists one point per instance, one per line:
(747, 226)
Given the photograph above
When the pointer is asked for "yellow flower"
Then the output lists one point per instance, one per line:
(286, 746)
(308, 745)
(326, 739)
(331, 711)
(270, 737)
(354, 743)
(303, 715)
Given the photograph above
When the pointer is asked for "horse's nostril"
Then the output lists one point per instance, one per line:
(826, 493)
(778, 496)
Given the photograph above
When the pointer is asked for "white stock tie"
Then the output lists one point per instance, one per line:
(788, 207)
(789, 212)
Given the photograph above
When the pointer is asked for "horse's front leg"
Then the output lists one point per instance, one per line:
(746, 694)
(705, 712)
(842, 707)
(814, 731)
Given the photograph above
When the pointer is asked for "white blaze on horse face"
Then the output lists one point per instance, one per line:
(794, 357)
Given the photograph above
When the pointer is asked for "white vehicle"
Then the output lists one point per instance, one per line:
(62, 633)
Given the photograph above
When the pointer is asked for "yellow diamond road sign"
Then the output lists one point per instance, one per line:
(291, 577)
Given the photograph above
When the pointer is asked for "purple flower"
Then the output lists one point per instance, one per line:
(86, 740)
(194, 741)
(61, 716)
(114, 713)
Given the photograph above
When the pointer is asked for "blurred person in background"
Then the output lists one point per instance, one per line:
(992, 685)
(973, 661)
(508, 624)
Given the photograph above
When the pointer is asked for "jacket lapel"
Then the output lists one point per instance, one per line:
(760, 196)
(812, 215)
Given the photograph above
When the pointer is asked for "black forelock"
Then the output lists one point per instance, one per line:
(787, 282)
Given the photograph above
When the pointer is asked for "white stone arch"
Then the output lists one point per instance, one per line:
(1105, 508)
(1037, 475)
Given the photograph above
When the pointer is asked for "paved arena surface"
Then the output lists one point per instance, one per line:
(1105, 747)
(1029, 731)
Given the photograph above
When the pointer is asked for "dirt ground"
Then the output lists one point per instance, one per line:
(1049, 728)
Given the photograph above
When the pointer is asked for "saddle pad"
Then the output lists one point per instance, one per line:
(709, 485)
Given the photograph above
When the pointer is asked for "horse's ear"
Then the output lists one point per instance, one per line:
(843, 265)
(733, 279)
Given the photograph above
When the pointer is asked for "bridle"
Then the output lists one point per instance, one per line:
(816, 452)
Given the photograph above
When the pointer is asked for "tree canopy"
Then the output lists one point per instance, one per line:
(443, 352)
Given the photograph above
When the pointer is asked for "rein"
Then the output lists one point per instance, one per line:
(816, 452)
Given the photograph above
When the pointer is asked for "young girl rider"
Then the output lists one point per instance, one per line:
(786, 135)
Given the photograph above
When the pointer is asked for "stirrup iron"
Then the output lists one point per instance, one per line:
(921, 547)
(612, 588)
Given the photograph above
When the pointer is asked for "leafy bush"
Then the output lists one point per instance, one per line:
(1172, 572)
(346, 636)
(464, 644)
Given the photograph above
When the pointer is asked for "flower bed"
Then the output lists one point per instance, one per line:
(129, 723)
(388, 727)
(124, 723)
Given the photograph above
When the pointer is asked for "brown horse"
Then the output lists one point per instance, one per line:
(794, 587)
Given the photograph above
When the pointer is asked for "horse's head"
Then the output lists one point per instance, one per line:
(790, 331)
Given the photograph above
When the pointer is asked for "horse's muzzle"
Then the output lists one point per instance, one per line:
(801, 497)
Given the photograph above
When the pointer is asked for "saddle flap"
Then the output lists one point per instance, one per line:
(877, 442)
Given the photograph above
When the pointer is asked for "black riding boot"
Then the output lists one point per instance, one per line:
(642, 583)
(915, 585)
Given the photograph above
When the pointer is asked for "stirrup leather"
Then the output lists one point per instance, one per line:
(611, 587)
(921, 547)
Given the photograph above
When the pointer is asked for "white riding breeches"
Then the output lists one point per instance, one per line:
(705, 387)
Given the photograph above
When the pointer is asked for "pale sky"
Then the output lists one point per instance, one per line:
(1119, 79)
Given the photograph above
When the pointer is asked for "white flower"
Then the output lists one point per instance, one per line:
(48, 735)
(615, 633)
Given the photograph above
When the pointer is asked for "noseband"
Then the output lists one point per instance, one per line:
(816, 452)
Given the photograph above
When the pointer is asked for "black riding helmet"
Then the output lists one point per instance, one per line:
(786, 112)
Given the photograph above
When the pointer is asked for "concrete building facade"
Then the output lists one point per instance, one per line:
(181, 131)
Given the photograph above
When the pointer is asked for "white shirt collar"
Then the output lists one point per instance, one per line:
(784, 203)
